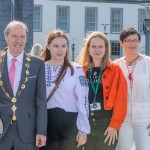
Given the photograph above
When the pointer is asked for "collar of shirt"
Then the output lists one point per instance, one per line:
(10, 57)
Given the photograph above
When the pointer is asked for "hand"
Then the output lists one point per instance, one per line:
(111, 135)
(148, 127)
(40, 140)
(81, 139)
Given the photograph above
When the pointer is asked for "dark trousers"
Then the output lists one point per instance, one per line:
(12, 141)
(99, 123)
(61, 130)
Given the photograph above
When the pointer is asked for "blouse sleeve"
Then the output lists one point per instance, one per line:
(81, 91)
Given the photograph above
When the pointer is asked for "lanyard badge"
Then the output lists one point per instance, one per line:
(95, 106)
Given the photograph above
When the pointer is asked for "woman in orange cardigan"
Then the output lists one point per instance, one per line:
(107, 92)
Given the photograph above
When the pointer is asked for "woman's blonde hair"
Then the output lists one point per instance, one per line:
(85, 59)
(36, 50)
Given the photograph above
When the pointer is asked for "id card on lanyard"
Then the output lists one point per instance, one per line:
(95, 105)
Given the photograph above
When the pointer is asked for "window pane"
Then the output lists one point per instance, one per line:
(141, 17)
(115, 48)
(116, 20)
(90, 19)
(63, 18)
(37, 18)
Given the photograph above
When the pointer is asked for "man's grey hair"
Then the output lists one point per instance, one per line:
(15, 23)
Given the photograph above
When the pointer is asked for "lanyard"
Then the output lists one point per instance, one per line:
(95, 88)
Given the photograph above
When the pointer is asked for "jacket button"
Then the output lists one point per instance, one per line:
(104, 77)
(107, 87)
(106, 97)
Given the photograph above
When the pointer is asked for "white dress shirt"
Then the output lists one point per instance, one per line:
(71, 94)
(18, 65)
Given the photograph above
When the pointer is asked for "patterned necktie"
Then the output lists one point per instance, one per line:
(12, 73)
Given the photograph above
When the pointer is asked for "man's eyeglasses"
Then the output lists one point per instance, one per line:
(128, 41)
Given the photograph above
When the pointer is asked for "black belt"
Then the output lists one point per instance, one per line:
(57, 109)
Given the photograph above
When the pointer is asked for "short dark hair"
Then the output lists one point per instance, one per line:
(127, 32)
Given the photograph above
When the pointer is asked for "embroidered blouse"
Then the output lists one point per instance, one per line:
(139, 92)
(71, 94)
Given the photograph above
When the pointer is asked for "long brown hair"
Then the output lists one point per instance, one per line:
(46, 55)
(85, 59)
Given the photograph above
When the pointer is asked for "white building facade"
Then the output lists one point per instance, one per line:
(77, 18)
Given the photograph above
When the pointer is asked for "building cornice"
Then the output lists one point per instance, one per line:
(111, 1)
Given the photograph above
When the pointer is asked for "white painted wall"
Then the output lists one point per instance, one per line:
(77, 12)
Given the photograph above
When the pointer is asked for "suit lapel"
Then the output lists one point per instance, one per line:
(5, 76)
(22, 73)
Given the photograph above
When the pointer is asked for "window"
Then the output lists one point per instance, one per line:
(37, 18)
(141, 17)
(91, 19)
(115, 48)
(62, 21)
(116, 22)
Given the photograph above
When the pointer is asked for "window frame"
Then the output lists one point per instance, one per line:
(67, 30)
(139, 21)
(96, 19)
(111, 20)
(115, 41)
(41, 11)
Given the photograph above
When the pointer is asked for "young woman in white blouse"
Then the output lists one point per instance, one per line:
(67, 94)
(136, 68)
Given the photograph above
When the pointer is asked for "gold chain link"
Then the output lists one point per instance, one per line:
(14, 99)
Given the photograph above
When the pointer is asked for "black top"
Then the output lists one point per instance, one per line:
(99, 114)
(99, 96)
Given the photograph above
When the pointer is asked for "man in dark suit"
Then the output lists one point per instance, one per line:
(22, 93)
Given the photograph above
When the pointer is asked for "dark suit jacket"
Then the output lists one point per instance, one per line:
(31, 110)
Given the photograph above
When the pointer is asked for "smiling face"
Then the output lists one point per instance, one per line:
(131, 44)
(16, 40)
(58, 49)
(97, 48)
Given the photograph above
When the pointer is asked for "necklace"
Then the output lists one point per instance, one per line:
(14, 99)
(131, 62)
(130, 68)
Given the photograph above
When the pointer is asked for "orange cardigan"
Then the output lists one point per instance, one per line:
(114, 93)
